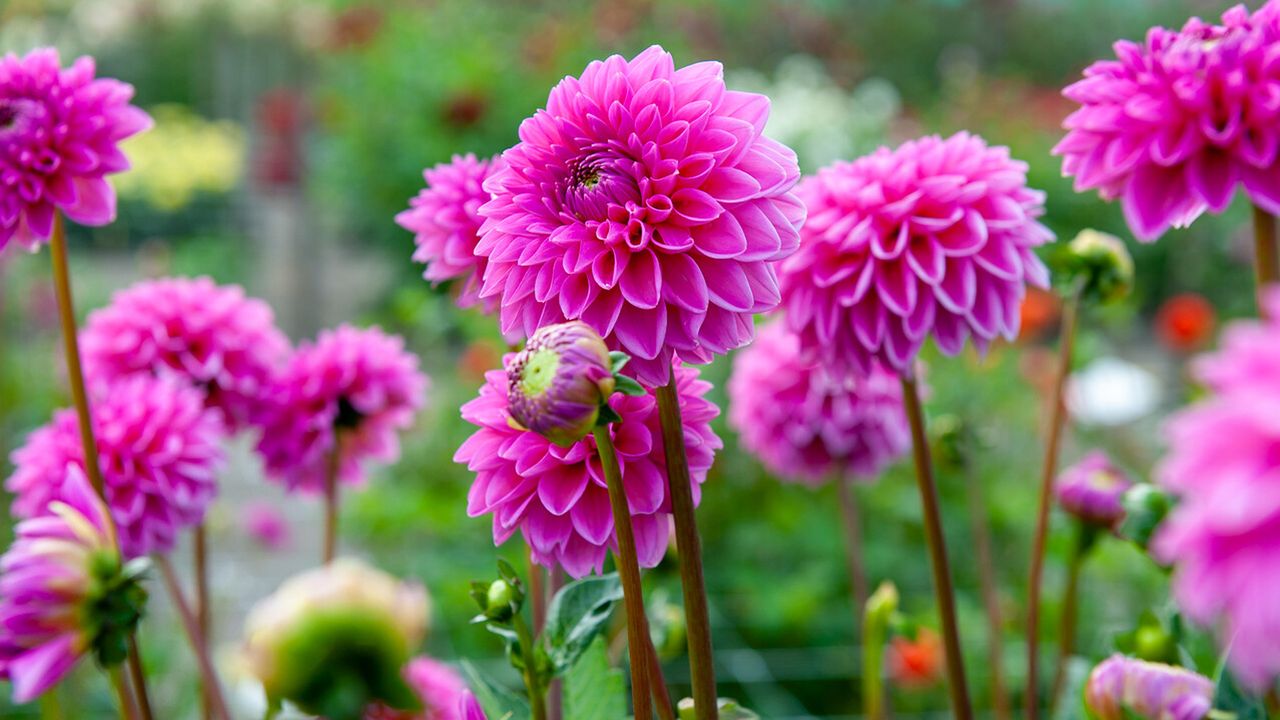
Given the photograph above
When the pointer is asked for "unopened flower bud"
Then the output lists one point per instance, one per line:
(1145, 507)
(1102, 263)
(1120, 688)
(1093, 490)
(559, 381)
(501, 594)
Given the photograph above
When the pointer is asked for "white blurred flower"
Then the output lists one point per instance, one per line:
(1111, 391)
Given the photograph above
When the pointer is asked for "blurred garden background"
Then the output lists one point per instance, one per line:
(290, 132)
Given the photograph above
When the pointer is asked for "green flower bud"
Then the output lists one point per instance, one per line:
(557, 384)
(1102, 263)
(1145, 507)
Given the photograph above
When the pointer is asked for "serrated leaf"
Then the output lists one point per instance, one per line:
(592, 689)
(576, 616)
(498, 702)
(1229, 697)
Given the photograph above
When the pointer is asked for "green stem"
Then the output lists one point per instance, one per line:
(945, 594)
(698, 622)
(331, 500)
(1266, 249)
(876, 616)
(1058, 420)
(1067, 624)
(537, 697)
(204, 614)
(990, 589)
(50, 706)
(124, 698)
(851, 522)
(208, 676)
(138, 678)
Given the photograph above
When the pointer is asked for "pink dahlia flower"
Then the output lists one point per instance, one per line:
(265, 524)
(210, 336)
(469, 708)
(60, 131)
(933, 238)
(1224, 535)
(355, 386)
(1093, 490)
(159, 448)
(1173, 126)
(557, 496)
(1250, 354)
(61, 592)
(646, 202)
(439, 687)
(445, 221)
(804, 422)
(1121, 687)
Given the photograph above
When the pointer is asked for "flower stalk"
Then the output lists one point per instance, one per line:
(138, 678)
(208, 676)
(852, 524)
(945, 593)
(1266, 248)
(1070, 611)
(128, 709)
(877, 614)
(200, 567)
(701, 668)
(332, 464)
(537, 693)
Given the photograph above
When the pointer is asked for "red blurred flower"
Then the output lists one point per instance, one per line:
(1040, 310)
(918, 663)
(1185, 323)
(477, 359)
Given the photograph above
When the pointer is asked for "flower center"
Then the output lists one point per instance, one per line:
(348, 416)
(596, 183)
(539, 372)
(14, 114)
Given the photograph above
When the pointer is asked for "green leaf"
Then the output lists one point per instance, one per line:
(618, 360)
(628, 386)
(511, 641)
(592, 689)
(498, 702)
(1229, 697)
(607, 416)
(576, 616)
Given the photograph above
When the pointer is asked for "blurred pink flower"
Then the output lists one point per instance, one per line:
(60, 131)
(646, 202)
(159, 448)
(445, 220)
(557, 496)
(51, 580)
(1120, 688)
(469, 708)
(1223, 537)
(1093, 490)
(213, 337)
(1173, 126)
(805, 423)
(360, 383)
(1250, 353)
(265, 523)
(933, 238)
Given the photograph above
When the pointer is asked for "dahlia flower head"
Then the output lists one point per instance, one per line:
(557, 496)
(61, 594)
(934, 238)
(445, 221)
(1093, 490)
(646, 202)
(1223, 537)
(437, 685)
(60, 131)
(808, 424)
(1173, 126)
(210, 336)
(159, 449)
(1121, 687)
(357, 387)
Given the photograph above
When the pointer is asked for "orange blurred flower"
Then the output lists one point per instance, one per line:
(1040, 310)
(1185, 323)
(918, 663)
(477, 359)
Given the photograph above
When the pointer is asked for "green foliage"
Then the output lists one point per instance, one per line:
(498, 702)
(1232, 701)
(593, 689)
(576, 617)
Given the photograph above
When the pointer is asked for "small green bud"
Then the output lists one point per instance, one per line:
(1102, 263)
(1145, 507)
(501, 595)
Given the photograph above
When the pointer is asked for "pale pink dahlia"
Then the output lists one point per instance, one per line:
(159, 448)
(1173, 126)
(438, 686)
(445, 221)
(645, 201)
(1093, 490)
(805, 423)
(1223, 537)
(1120, 688)
(933, 238)
(60, 131)
(64, 592)
(356, 386)
(1250, 354)
(557, 496)
(211, 336)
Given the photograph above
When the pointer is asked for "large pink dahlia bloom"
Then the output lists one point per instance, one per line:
(1224, 535)
(806, 423)
(359, 387)
(445, 221)
(645, 201)
(208, 335)
(933, 238)
(557, 496)
(160, 450)
(1173, 126)
(60, 131)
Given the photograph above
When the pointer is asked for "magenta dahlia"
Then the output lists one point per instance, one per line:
(1223, 537)
(64, 592)
(646, 202)
(1250, 354)
(933, 238)
(805, 423)
(160, 450)
(445, 221)
(1121, 687)
(60, 131)
(356, 386)
(557, 496)
(211, 336)
(1173, 126)
(1093, 490)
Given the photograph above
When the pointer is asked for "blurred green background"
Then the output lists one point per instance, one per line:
(290, 132)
